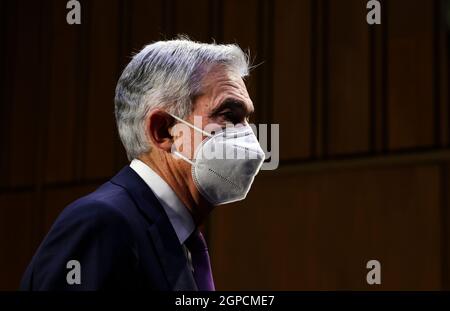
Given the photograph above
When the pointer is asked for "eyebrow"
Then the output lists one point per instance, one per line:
(232, 104)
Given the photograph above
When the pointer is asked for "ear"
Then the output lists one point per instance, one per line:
(159, 123)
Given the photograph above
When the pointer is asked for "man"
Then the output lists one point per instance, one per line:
(139, 230)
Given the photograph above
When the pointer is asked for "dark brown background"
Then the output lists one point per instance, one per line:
(364, 121)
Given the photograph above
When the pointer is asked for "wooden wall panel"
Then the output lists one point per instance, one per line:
(6, 36)
(61, 157)
(306, 231)
(16, 243)
(442, 62)
(192, 18)
(240, 25)
(144, 27)
(378, 82)
(103, 72)
(347, 105)
(445, 223)
(410, 104)
(23, 100)
(292, 77)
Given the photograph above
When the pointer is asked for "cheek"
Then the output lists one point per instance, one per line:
(186, 168)
(187, 143)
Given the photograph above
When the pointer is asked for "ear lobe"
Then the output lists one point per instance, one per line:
(158, 129)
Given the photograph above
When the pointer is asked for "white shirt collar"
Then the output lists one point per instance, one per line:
(179, 216)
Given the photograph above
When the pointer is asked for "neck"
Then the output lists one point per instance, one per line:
(177, 174)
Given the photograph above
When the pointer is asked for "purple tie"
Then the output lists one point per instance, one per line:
(200, 261)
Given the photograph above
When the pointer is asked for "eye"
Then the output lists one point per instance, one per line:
(230, 116)
(227, 114)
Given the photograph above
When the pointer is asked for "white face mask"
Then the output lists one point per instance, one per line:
(225, 163)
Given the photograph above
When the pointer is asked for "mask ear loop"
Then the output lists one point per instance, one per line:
(180, 155)
(183, 157)
(191, 125)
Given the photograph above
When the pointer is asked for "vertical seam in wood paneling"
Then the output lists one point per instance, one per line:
(447, 49)
(319, 83)
(445, 285)
(168, 12)
(313, 77)
(9, 11)
(83, 87)
(436, 72)
(325, 78)
(385, 76)
(444, 77)
(3, 101)
(216, 20)
(265, 44)
(124, 34)
(372, 89)
(45, 53)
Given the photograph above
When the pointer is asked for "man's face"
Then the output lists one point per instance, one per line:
(224, 101)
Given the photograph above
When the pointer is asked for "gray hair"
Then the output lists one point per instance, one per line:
(168, 75)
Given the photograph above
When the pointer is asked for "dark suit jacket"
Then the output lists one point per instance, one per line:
(121, 237)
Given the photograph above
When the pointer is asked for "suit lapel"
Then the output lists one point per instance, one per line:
(161, 233)
(173, 261)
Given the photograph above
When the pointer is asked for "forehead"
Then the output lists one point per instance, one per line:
(220, 84)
